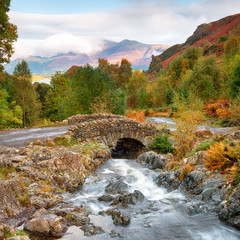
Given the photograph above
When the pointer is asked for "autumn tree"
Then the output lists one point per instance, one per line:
(8, 34)
(24, 94)
(125, 73)
(135, 87)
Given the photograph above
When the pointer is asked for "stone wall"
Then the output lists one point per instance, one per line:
(81, 118)
(108, 129)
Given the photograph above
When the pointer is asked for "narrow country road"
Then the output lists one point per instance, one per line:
(18, 138)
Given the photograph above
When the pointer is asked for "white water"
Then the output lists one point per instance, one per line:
(161, 215)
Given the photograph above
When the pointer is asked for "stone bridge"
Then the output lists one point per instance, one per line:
(110, 129)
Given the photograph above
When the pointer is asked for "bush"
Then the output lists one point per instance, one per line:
(162, 144)
(222, 156)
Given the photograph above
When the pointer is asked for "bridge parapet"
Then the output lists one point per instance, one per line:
(109, 128)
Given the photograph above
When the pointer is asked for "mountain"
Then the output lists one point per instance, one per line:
(210, 37)
(137, 53)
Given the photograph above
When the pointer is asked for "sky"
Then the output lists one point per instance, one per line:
(50, 27)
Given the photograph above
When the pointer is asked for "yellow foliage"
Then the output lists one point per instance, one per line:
(188, 117)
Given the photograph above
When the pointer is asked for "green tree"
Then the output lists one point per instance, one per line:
(89, 87)
(235, 83)
(42, 89)
(9, 118)
(56, 96)
(204, 79)
(8, 34)
(24, 94)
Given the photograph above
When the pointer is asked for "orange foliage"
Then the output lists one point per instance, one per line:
(139, 116)
(221, 156)
(219, 108)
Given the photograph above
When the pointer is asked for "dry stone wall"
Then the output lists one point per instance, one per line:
(108, 129)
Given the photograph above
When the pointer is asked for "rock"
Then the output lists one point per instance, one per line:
(38, 227)
(117, 186)
(168, 180)
(65, 122)
(212, 194)
(50, 142)
(38, 142)
(196, 159)
(10, 190)
(24, 237)
(106, 198)
(153, 160)
(40, 213)
(119, 218)
(90, 229)
(128, 198)
(47, 225)
(193, 179)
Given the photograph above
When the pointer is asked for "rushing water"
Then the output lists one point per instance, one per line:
(161, 215)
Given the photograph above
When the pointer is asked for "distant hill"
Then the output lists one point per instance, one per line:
(137, 53)
(208, 36)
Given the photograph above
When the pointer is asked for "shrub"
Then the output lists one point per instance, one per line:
(162, 144)
(219, 108)
(222, 156)
(222, 38)
(139, 116)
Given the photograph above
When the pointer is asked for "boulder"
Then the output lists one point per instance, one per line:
(47, 226)
(118, 217)
(10, 190)
(116, 186)
(153, 160)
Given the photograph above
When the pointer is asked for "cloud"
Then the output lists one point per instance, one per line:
(147, 21)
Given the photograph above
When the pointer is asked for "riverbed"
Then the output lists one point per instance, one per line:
(161, 215)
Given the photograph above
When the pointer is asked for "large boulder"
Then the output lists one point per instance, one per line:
(46, 226)
(10, 193)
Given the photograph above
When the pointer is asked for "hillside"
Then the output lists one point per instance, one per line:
(137, 53)
(207, 36)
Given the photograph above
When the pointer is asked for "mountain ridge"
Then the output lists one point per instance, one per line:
(207, 36)
(139, 54)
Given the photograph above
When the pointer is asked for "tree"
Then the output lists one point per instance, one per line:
(24, 94)
(42, 89)
(137, 82)
(125, 73)
(89, 87)
(56, 96)
(8, 34)
(9, 118)
(204, 78)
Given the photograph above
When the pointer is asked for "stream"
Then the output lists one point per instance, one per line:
(160, 215)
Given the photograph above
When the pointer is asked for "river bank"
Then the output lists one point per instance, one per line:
(62, 188)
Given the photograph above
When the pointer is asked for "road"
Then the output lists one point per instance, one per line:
(18, 138)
